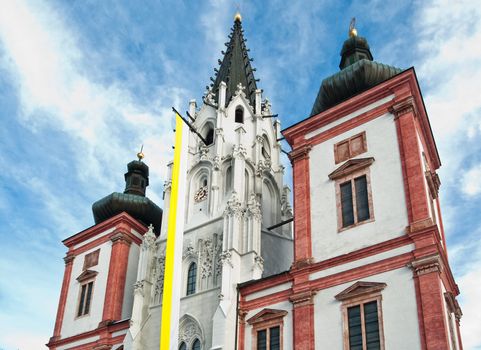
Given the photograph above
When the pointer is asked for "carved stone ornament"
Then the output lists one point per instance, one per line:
(210, 97)
(259, 262)
(233, 207)
(203, 152)
(206, 258)
(189, 330)
(239, 152)
(216, 163)
(139, 287)
(189, 251)
(240, 90)
(159, 268)
(149, 238)
(167, 185)
(225, 258)
(253, 207)
(266, 107)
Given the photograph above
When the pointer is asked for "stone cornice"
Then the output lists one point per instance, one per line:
(427, 264)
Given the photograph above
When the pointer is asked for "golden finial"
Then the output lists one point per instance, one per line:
(352, 28)
(237, 17)
(141, 155)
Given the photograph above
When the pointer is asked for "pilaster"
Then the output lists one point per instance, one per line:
(114, 293)
(299, 158)
(69, 258)
(405, 113)
(303, 319)
(430, 300)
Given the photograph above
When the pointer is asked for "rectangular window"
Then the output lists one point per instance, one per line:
(350, 147)
(363, 324)
(354, 201)
(262, 340)
(85, 299)
(269, 339)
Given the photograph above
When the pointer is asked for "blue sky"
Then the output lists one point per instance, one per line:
(84, 83)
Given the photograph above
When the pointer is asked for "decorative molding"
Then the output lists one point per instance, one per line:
(302, 298)
(434, 183)
(299, 153)
(406, 106)
(120, 237)
(453, 305)
(351, 166)
(426, 265)
(360, 288)
(87, 275)
(69, 258)
(265, 315)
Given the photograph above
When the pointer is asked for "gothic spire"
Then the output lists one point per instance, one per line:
(236, 67)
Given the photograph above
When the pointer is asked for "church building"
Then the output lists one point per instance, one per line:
(361, 263)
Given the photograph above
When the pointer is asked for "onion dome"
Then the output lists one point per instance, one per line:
(358, 73)
(133, 201)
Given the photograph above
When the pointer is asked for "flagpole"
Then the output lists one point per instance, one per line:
(175, 231)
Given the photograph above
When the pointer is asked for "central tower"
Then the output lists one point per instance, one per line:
(234, 194)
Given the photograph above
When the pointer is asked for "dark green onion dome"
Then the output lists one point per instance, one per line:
(132, 201)
(358, 73)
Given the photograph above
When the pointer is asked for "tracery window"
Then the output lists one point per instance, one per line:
(182, 346)
(196, 345)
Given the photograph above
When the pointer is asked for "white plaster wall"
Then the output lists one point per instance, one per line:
(287, 334)
(399, 310)
(362, 262)
(130, 279)
(71, 324)
(387, 187)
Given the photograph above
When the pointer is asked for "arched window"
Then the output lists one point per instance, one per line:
(209, 138)
(208, 133)
(191, 277)
(239, 115)
(228, 180)
(266, 148)
(196, 345)
(182, 346)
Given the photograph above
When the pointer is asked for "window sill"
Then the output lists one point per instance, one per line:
(342, 229)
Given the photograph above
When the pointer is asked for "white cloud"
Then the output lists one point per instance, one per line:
(471, 184)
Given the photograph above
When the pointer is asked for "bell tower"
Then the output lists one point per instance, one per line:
(234, 194)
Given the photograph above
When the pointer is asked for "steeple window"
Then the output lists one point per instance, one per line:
(182, 346)
(191, 278)
(239, 115)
